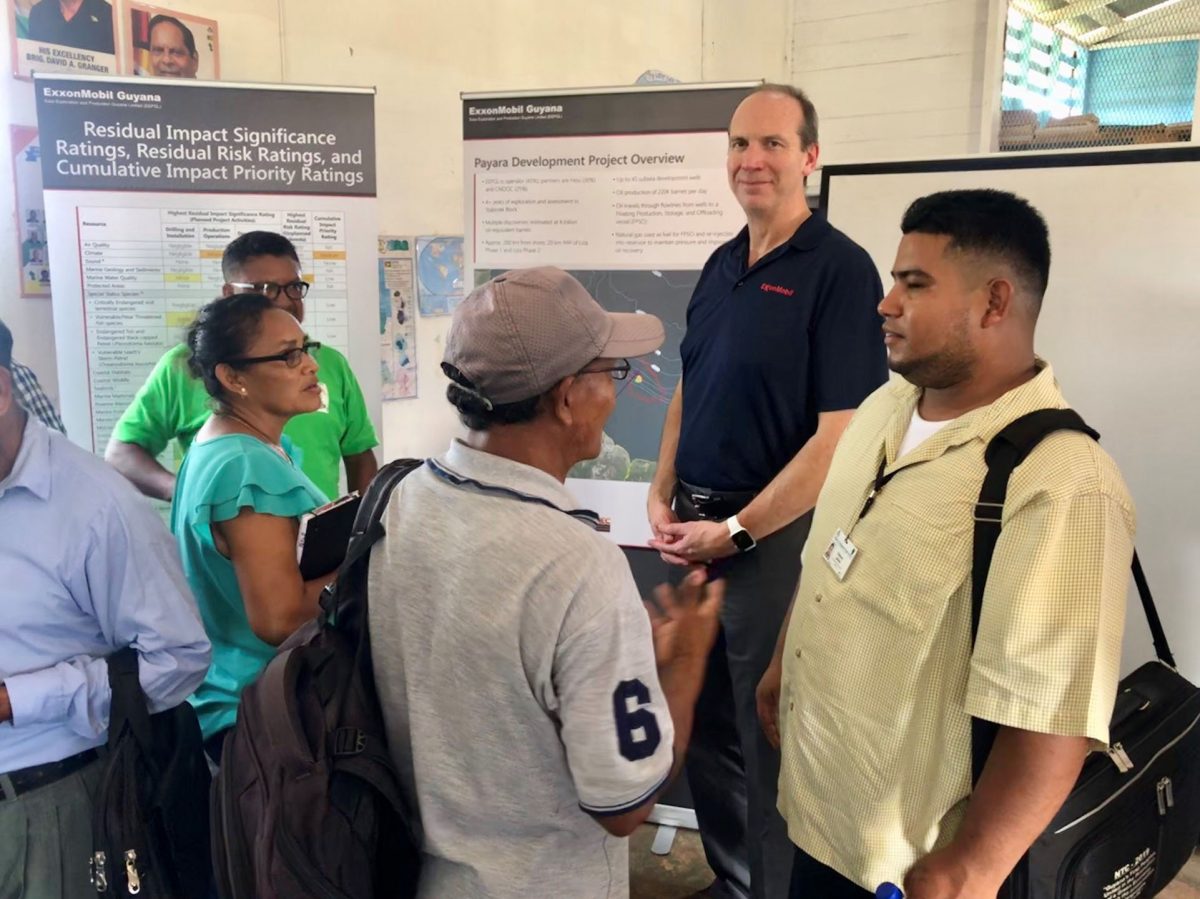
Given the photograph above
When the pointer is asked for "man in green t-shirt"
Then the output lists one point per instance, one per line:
(173, 405)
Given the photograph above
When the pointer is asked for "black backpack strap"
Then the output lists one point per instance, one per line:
(1161, 648)
(368, 528)
(345, 602)
(1005, 452)
(128, 703)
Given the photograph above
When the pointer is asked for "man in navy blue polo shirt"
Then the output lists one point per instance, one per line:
(783, 342)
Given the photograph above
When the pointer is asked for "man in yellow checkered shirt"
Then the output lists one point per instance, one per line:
(879, 683)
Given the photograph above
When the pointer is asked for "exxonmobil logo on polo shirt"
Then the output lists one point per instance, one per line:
(775, 288)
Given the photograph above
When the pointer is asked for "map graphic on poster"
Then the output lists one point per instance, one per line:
(631, 436)
(397, 319)
(439, 274)
(32, 249)
(630, 451)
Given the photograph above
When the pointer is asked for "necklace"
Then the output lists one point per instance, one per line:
(257, 432)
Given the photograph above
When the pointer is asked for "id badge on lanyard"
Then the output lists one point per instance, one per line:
(840, 554)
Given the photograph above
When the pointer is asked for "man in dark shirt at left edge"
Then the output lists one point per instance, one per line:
(83, 24)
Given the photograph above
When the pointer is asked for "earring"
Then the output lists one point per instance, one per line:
(243, 391)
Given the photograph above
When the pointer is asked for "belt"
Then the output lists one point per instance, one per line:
(707, 503)
(27, 779)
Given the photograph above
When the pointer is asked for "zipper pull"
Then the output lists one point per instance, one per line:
(99, 875)
(1168, 792)
(1129, 765)
(131, 872)
(1160, 794)
(1120, 758)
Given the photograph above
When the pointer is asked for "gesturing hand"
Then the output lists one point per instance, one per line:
(685, 621)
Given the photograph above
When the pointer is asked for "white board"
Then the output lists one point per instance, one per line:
(1119, 324)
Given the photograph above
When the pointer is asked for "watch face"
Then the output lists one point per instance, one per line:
(743, 541)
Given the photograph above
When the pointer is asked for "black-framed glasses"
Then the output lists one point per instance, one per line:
(295, 290)
(292, 357)
(619, 372)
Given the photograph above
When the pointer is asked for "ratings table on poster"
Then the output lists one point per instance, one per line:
(146, 271)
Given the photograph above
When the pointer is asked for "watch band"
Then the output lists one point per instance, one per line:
(742, 538)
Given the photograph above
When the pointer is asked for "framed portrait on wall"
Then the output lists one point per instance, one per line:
(76, 37)
(163, 43)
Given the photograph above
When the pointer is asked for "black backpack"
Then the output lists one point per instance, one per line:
(307, 802)
(1133, 817)
(150, 818)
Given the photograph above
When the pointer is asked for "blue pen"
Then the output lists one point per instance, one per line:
(888, 891)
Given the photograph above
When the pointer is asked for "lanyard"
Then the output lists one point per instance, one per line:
(591, 519)
(880, 482)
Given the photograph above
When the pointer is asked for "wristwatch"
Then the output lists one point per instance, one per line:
(741, 537)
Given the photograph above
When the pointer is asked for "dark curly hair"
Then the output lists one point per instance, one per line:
(991, 222)
(251, 245)
(224, 329)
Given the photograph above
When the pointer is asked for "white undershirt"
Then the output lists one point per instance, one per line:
(919, 430)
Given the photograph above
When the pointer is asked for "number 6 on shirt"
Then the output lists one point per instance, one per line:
(637, 728)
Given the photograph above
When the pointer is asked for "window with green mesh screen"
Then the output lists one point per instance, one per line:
(1044, 70)
(1085, 73)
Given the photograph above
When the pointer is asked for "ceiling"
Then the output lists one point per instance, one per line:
(1100, 23)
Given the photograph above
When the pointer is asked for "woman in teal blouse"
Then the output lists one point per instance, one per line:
(240, 493)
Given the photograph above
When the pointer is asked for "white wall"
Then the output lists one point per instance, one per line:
(892, 78)
(747, 41)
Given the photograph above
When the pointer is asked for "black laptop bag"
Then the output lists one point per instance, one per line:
(1132, 819)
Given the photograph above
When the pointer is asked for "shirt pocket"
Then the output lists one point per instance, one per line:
(915, 555)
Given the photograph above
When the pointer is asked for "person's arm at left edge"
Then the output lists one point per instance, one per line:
(846, 327)
(358, 438)
(132, 582)
(360, 469)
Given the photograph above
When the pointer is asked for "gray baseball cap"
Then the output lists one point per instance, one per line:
(521, 333)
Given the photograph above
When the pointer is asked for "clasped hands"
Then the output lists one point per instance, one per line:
(686, 542)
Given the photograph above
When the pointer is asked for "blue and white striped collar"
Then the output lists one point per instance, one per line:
(470, 468)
